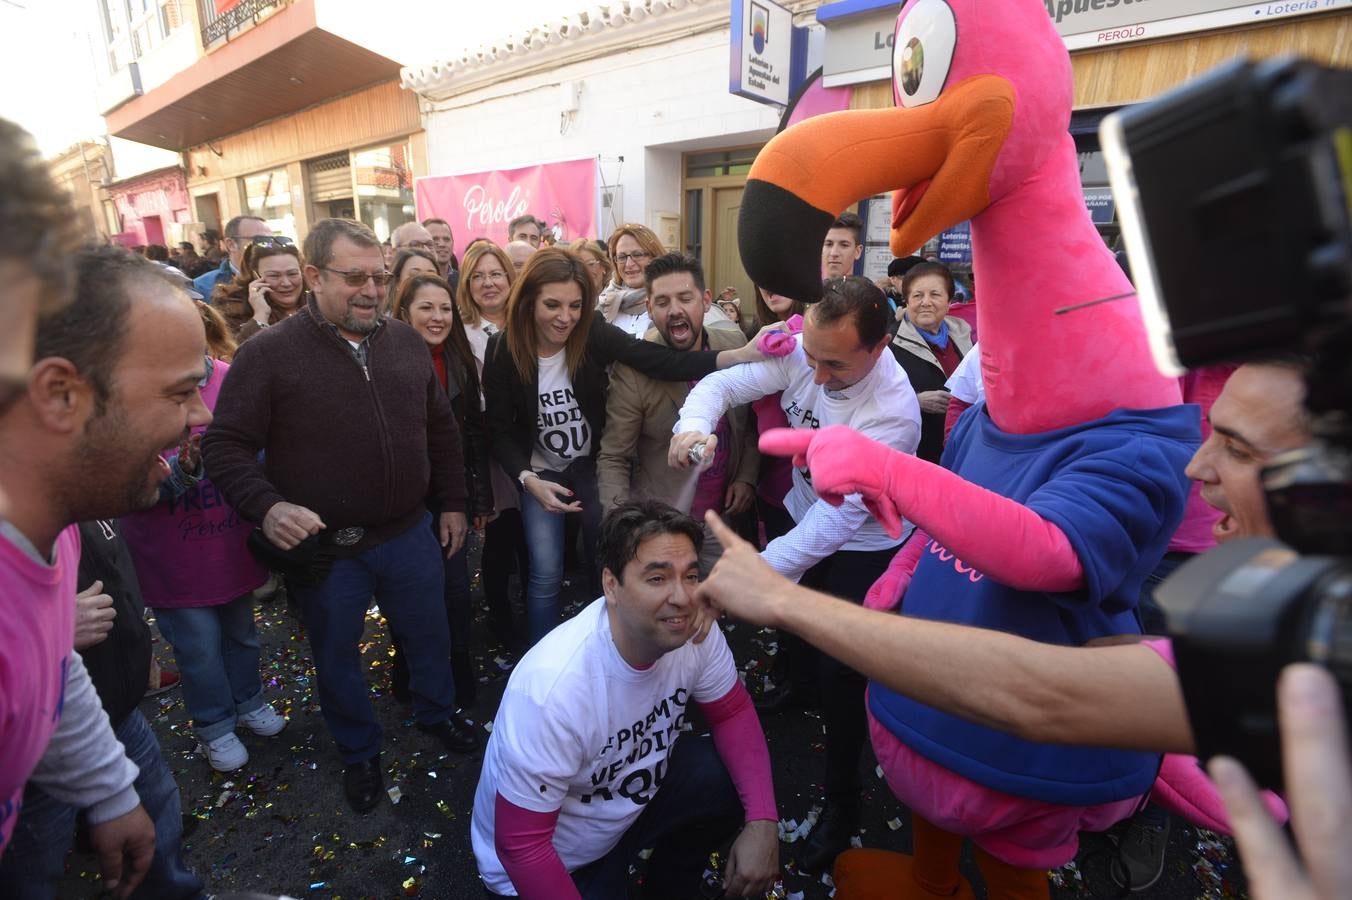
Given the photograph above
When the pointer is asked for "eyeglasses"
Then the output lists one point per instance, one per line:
(421, 245)
(481, 277)
(357, 279)
(268, 240)
(637, 256)
(593, 263)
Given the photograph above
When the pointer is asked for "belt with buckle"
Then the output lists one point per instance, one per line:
(345, 537)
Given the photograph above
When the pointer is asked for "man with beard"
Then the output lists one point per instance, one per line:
(116, 380)
(641, 413)
(355, 429)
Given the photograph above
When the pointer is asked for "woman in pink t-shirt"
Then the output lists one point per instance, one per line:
(197, 574)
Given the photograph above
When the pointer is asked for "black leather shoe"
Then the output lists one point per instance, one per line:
(455, 734)
(830, 837)
(363, 783)
(779, 699)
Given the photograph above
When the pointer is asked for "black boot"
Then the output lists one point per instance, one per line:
(829, 838)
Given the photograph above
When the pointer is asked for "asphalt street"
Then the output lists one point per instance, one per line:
(281, 825)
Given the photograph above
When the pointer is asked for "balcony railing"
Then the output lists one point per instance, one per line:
(223, 18)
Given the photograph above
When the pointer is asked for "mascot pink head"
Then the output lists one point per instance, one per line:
(980, 132)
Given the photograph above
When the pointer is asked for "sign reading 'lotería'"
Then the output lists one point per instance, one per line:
(761, 51)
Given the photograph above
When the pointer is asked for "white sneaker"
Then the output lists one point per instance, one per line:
(264, 721)
(226, 753)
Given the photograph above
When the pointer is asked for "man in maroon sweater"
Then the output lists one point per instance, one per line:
(357, 436)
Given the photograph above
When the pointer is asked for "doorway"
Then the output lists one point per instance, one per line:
(713, 184)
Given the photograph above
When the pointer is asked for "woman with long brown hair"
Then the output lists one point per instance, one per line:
(545, 380)
(424, 302)
(268, 288)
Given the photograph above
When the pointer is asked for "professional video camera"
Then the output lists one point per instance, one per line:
(1235, 198)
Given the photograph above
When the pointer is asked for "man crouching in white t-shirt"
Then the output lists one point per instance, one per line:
(585, 769)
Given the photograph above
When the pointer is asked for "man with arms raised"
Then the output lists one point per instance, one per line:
(837, 373)
(587, 765)
(641, 412)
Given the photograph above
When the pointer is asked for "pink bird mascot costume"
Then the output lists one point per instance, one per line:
(1057, 496)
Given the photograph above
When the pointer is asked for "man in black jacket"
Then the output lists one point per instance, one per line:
(112, 637)
(355, 428)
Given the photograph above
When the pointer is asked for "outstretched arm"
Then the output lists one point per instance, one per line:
(999, 537)
(1121, 696)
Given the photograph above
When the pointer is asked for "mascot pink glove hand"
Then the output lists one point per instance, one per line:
(999, 537)
(781, 343)
(843, 462)
(887, 591)
(1183, 787)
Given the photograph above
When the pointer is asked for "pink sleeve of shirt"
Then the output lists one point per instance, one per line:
(522, 839)
(741, 745)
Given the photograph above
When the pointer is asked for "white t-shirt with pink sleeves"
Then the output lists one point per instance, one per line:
(581, 731)
(37, 630)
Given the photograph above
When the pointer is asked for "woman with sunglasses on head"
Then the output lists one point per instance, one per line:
(424, 302)
(411, 261)
(268, 288)
(545, 380)
(486, 276)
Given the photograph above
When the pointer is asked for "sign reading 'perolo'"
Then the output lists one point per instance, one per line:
(480, 204)
(1097, 23)
(859, 35)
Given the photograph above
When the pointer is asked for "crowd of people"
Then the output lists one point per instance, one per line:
(336, 417)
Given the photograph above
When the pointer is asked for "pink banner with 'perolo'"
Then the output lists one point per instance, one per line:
(480, 204)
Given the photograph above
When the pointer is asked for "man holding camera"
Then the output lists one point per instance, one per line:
(1125, 695)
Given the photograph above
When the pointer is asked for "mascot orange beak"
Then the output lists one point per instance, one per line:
(938, 157)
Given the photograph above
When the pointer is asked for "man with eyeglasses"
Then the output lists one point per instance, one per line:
(239, 232)
(358, 438)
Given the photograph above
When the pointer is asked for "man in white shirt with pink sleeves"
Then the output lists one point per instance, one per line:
(587, 765)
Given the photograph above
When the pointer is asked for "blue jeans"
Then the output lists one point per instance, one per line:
(216, 650)
(459, 615)
(35, 860)
(406, 572)
(695, 812)
(545, 542)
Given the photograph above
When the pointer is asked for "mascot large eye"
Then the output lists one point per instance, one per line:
(922, 53)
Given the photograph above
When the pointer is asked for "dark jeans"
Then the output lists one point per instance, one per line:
(504, 545)
(35, 860)
(545, 541)
(847, 574)
(459, 618)
(407, 574)
(1148, 612)
(695, 812)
